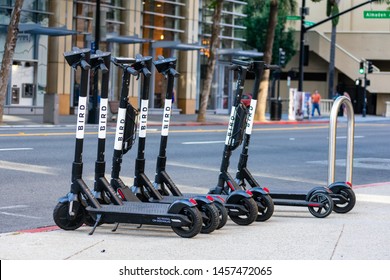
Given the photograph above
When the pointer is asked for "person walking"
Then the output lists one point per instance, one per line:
(315, 101)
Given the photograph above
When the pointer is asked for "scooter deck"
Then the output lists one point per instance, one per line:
(139, 213)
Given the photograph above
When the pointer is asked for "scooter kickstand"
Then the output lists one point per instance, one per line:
(115, 228)
(98, 218)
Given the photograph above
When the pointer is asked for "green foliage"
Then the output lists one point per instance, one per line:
(257, 23)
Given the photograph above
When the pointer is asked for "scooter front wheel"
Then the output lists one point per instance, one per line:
(64, 220)
(250, 213)
(195, 227)
(322, 205)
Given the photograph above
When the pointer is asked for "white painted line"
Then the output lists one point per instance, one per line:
(13, 207)
(260, 175)
(19, 215)
(26, 167)
(203, 142)
(345, 137)
(373, 198)
(16, 149)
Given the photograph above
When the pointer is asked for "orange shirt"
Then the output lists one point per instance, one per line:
(315, 98)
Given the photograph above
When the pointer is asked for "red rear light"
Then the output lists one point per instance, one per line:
(249, 192)
(193, 201)
(121, 194)
(266, 189)
(349, 184)
(221, 198)
(209, 197)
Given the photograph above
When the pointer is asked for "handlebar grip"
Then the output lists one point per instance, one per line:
(84, 65)
(146, 72)
(132, 71)
(173, 72)
(103, 68)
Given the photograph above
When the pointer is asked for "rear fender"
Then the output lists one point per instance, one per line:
(257, 192)
(177, 206)
(202, 200)
(336, 187)
(237, 196)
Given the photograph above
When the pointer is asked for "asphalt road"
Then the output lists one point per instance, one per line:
(35, 163)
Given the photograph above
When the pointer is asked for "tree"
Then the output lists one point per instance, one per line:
(255, 38)
(9, 49)
(213, 46)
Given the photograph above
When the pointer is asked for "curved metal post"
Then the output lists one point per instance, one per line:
(332, 138)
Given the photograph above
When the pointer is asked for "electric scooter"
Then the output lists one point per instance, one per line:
(143, 187)
(231, 204)
(318, 200)
(103, 191)
(70, 212)
(226, 184)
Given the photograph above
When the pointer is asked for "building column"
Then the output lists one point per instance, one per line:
(132, 17)
(58, 71)
(188, 65)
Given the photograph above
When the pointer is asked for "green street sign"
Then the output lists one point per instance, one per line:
(309, 23)
(376, 14)
(293, 17)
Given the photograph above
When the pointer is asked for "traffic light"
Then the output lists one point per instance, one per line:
(369, 67)
(282, 57)
(361, 67)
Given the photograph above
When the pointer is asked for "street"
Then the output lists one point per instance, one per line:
(35, 162)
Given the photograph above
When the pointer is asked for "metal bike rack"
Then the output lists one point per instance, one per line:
(332, 138)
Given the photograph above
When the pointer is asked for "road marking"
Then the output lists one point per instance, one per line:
(26, 167)
(345, 137)
(368, 163)
(13, 207)
(16, 149)
(373, 198)
(18, 215)
(202, 142)
(14, 214)
(261, 175)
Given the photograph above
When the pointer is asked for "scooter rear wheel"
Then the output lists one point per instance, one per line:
(349, 202)
(223, 215)
(211, 221)
(265, 207)
(326, 208)
(64, 220)
(251, 214)
(195, 227)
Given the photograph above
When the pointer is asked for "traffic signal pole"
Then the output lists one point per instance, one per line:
(305, 29)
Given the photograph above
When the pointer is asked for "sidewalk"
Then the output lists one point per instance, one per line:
(179, 119)
(290, 234)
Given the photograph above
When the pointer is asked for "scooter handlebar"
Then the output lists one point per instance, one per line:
(85, 65)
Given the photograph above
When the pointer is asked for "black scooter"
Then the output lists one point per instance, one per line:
(143, 187)
(232, 204)
(70, 213)
(318, 200)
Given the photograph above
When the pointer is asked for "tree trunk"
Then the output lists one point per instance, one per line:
(263, 90)
(214, 44)
(9, 49)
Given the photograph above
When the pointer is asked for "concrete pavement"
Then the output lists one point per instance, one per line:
(292, 233)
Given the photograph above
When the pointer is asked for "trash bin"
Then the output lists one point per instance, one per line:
(276, 110)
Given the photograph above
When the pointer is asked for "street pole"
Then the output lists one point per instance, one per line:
(364, 94)
(302, 45)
